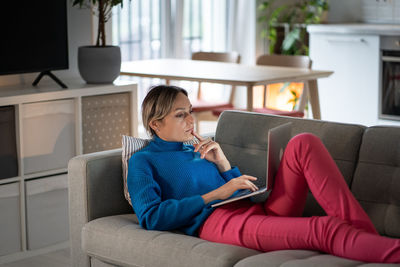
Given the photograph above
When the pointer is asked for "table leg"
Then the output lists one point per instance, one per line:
(314, 99)
(249, 97)
(303, 98)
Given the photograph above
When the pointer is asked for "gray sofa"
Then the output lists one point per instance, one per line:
(105, 232)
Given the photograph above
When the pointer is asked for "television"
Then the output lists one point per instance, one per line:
(33, 37)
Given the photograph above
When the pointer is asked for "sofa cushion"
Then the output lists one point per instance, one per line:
(299, 258)
(377, 178)
(244, 143)
(121, 241)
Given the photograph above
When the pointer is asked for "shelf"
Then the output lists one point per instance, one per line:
(47, 127)
(10, 180)
(11, 95)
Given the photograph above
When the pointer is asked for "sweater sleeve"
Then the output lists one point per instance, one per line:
(230, 174)
(152, 212)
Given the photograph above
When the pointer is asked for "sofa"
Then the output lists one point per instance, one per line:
(104, 230)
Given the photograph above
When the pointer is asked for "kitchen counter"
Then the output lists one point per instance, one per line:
(357, 28)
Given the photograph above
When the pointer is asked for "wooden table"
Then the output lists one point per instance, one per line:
(227, 73)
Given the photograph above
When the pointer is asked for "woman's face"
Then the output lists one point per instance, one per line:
(178, 125)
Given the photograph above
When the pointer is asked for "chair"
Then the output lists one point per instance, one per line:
(280, 61)
(201, 108)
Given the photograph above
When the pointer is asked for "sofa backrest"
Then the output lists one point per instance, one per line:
(243, 137)
(376, 182)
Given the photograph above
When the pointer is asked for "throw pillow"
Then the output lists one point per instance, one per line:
(131, 145)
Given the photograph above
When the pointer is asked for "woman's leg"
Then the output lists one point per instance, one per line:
(305, 164)
(243, 224)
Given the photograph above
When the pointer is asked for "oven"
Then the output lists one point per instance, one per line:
(389, 93)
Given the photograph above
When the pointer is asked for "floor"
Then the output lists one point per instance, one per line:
(60, 258)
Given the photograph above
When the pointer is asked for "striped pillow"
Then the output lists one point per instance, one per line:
(131, 145)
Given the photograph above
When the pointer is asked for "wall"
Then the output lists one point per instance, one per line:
(79, 33)
(344, 11)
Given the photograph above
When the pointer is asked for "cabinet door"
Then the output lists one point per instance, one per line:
(8, 151)
(378, 11)
(10, 229)
(48, 135)
(105, 118)
(350, 94)
(47, 211)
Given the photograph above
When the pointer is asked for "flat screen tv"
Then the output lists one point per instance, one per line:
(33, 37)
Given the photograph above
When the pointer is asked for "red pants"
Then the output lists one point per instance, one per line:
(346, 231)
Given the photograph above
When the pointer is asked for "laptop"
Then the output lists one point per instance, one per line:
(278, 138)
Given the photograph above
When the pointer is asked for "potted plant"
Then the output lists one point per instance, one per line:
(285, 25)
(100, 63)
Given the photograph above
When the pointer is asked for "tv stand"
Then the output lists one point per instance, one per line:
(51, 75)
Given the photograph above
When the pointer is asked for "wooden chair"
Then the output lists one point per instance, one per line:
(202, 110)
(281, 61)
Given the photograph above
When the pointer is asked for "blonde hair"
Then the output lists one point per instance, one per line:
(158, 103)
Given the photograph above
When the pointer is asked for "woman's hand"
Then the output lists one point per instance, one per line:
(227, 190)
(212, 152)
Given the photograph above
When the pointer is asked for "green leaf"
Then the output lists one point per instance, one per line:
(291, 39)
(264, 33)
(276, 13)
(264, 5)
(261, 19)
(77, 2)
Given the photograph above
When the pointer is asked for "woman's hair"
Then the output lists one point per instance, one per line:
(158, 103)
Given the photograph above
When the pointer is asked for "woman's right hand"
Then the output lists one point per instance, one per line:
(227, 190)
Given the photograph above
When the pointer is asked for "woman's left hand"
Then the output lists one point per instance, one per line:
(211, 151)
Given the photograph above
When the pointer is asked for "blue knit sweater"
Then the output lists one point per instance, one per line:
(166, 181)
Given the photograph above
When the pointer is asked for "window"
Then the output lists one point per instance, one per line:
(146, 29)
(205, 26)
(150, 29)
(136, 29)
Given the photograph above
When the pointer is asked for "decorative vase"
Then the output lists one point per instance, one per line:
(99, 64)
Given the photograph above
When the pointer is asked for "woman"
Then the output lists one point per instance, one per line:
(173, 186)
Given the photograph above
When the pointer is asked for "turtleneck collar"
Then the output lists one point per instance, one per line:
(167, 145)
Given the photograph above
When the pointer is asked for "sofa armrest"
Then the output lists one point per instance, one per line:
(95, 190)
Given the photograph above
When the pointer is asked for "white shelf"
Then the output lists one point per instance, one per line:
(39, 99)
(18, 94)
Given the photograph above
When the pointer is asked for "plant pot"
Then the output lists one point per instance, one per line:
(99, 64)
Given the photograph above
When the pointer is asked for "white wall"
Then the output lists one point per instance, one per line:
(344, 11)
(79, 33)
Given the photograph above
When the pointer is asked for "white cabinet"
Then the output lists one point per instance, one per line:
(350, 94)
(380, 11)
(41, 129)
